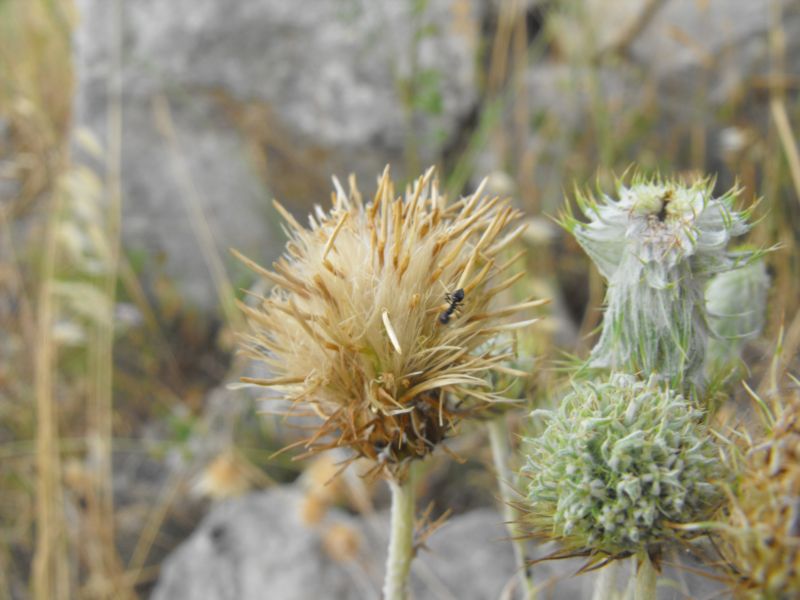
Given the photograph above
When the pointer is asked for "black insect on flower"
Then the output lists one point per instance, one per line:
(454, 300)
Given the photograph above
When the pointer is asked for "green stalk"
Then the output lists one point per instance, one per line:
(401, 539)
(501, 452)
(606, 586)
(646, 578)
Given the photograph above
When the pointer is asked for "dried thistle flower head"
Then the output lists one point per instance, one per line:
(761, 538)
(381, 318)
(657, 245)
(617, 466)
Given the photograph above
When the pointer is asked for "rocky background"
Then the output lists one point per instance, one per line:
(194, 115)
(227, 105)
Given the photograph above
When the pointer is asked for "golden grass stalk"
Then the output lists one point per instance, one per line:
(501, 456)
(50, 570)
(103, 557)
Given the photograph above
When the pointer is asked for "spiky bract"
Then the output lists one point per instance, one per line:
(353, 328)
(761, 538)
(657, 245)
(618, 464)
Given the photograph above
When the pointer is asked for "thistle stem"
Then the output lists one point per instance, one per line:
(606, 586)
(401, 538)
(646, 578)
(501, 452)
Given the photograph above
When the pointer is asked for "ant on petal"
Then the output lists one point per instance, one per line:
(454, 300)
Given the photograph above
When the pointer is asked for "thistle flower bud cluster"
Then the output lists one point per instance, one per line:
(761, 535)
(657, 245)
(381, 319)
(618, 465)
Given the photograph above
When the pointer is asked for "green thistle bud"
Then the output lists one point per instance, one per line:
(657, 246)
(618, 464)
(736, 302)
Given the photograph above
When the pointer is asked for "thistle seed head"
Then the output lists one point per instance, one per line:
(657, 245)
(761, 538)
(617, 466)
(353, 330)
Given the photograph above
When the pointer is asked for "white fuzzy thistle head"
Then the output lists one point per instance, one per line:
(657, 244)
(618, 465)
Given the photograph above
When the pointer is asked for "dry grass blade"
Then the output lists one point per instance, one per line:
(50, 569)
(788, 140)
(191, 201)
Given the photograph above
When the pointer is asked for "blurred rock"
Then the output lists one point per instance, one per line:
(713, 48)
(722, 41)
(643, 78)
(257, 547)
(267, 98)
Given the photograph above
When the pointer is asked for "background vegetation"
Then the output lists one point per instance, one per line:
(107, 373)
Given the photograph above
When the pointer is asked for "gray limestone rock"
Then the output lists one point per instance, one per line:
(639, 80)
(267, 98)
(253, 547)
(258, 548)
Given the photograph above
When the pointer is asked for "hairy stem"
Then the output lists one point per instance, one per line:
(501, 452)
(646, 577)
(401, 539)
